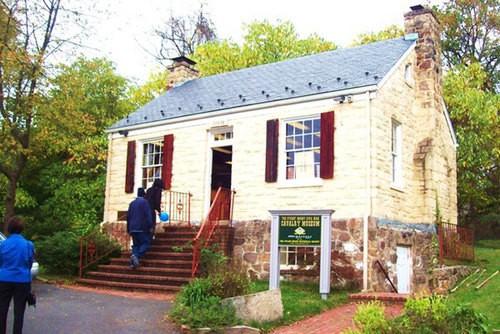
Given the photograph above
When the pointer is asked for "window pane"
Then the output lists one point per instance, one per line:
(302, 147)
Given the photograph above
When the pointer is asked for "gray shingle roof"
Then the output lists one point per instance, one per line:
(320, 73)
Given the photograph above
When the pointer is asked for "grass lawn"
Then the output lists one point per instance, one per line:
(486, 299)
(300, 301)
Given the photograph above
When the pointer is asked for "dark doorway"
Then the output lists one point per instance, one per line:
(222, 161)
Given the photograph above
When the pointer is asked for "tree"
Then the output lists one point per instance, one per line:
(84, 100)
(390, 32)
(25, 42)
(181, 35)
(471, 35)
(474, 113)
(263, 43)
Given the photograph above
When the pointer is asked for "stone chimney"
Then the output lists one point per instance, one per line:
(422, 21)
(181, 70)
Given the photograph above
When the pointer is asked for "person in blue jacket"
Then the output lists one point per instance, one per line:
(140, 226)
(16, 259)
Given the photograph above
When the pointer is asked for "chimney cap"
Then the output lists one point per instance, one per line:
(417, 7)
(182, 59)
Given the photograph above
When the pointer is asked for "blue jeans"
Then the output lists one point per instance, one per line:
(142, 241)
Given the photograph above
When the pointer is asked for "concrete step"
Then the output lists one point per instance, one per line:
(138, 287)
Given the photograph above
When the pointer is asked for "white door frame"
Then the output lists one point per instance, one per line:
(403, 268)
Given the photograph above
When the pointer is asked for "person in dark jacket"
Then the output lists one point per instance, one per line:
(153, 196)
(16, 258)
(140, 226)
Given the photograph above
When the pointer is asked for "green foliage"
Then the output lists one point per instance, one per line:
(263, 43)
(209, 312)
(229, 280)
(426, 315)
(210, 258)
(59, 253)
(390, 32)
(371, 318)
(484, 300)
(199, 304)
(474, 113)
(471, 35)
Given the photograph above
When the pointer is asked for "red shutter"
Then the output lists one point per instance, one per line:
(327, 145)
(168, 151)
(272, 150)
(130, 169)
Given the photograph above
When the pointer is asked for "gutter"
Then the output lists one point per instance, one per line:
(368, 208)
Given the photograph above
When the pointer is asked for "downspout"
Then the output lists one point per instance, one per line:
(368, 207)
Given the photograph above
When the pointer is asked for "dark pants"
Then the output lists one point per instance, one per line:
(20, 292)
(142, 241)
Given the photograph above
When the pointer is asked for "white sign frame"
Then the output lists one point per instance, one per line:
(326, 247)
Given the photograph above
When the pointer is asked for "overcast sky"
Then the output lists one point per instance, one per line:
(125, 28)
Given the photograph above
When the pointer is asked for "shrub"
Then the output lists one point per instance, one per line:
(59, 253)
(370, 319)
(421, 315)
(208, 312)
(229, 280)
(427, 315)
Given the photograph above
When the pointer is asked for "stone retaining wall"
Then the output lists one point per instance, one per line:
(446, 278)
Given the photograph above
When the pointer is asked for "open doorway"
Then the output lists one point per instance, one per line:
(222, 161)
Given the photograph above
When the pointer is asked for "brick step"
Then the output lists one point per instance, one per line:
(388, 298)
(179, 233)
(154, 263)
(160, 247)
(136, 287)
(162, 255)
(145, 270)
(173, 241)
(133, 278)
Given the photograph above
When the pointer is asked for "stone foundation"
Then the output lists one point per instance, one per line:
(252, 248)
(444, 279)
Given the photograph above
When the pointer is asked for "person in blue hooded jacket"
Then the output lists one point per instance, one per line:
(140, 226)
(16, 258)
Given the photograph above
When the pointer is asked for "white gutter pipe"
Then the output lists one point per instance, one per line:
(368, 208)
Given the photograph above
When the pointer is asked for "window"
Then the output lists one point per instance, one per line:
(302, 148)
(396, 153)
(297, 257)
(152, 161)
(409, 74)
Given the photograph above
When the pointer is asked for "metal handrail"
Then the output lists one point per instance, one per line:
(221, 209)
(386, 275)
(93, 248)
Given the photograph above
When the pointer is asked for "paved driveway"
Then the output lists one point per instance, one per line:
(62, 310)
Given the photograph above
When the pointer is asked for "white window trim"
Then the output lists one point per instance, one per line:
(295, 266)
(397, 155)
(283, 182)
(139, 156)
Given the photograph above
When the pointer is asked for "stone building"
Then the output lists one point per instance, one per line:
(362, 131)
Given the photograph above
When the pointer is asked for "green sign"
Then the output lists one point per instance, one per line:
(299, 231)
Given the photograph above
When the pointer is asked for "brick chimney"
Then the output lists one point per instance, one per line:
(422, 21)
(181, 70)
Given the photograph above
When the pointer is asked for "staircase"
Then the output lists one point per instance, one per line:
(165, 268)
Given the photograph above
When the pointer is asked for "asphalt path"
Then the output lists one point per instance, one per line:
(63, 310)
